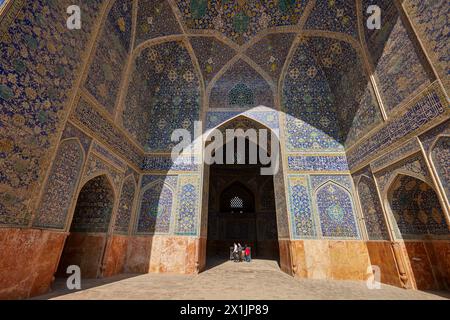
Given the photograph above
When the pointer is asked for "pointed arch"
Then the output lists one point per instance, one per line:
(235, 119)
(95, 205)
(413, 203)
(154, 214)
(336, 210)
(245, 72)
(101, 172)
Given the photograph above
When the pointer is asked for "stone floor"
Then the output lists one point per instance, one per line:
(260, 279)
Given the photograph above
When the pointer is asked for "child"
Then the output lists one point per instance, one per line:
(247, 254)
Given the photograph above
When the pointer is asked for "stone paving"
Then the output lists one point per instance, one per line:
(260, 279)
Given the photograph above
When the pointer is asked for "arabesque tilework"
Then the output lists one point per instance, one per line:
(239, 20)
(300, 205)
(441, 159)
(399, 70)
(95, 166)
(241, 87)
(431, 19)
(335, 15)
(271, 51)
(89, 118)
(212, 55)
(188, 200)
(311, 122)
(413, 165)
(63, 179)
(164, 89)
(336, 211)
(156, 205)
(374, 219)
(94, 206)
(125, 208)
(416, 209)
(111, 54)
(36, 47)
(61, 186)
(426, 107)
(217, 60)
(155, 19)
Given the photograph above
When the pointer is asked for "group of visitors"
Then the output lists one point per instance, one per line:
(241, 253)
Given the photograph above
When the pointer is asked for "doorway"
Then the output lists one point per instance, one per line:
(85, 245)
(241, 208)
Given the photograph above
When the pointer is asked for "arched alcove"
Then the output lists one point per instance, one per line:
(415, 208)
(418, 218)
(233, 214)
(155, 209)
(90, 224)
(336, 212)
(164, 89)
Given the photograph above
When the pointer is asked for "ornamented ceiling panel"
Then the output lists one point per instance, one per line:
(155, 19)
(240, 20)
(241, 47)
(241, 87)
(211, 54)
(376, 39)
(334, 15)
(271, 52)
(163, 95)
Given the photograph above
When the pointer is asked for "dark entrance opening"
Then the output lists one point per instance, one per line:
(241, 209)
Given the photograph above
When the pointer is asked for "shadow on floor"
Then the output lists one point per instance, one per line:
(59, 286)
(443, 294)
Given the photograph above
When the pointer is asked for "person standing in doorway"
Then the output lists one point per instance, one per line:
(240, 251)
(235, 252)
(247, 254)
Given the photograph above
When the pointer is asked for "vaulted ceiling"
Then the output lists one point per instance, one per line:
(303, 57)
(261, 33)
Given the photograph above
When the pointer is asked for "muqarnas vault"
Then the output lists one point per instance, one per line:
(86, 118)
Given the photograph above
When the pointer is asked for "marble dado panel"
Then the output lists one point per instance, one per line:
(165, 254)
(330, 259)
